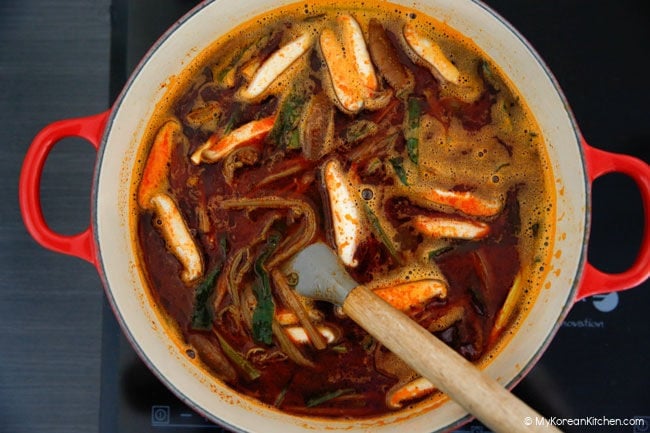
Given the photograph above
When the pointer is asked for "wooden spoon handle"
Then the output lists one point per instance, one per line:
(468, 386)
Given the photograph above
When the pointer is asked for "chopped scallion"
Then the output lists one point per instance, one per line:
(264, 310)
(202, 313)
(398, 166)
(412, 130)
(244, 365)
(285, 131)
(280, 398)
(359, 130)
(440, 251)
(318, 400)
(381, 233)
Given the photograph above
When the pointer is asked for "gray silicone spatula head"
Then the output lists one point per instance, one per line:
(321, 274)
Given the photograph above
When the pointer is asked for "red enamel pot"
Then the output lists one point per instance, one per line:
(108, 242)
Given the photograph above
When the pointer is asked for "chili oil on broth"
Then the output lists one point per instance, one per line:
(506, 160)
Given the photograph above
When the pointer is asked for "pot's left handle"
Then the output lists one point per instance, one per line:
(599, 163)
(81, 244)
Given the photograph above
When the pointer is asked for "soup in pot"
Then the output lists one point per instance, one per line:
(377, 130)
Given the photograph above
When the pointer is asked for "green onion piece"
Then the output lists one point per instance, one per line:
(240, 361)
(360, 129)
(381, 233)
(228, 69)
(294, 140)
(315, 401)
(264, 311)
(233, 119)
(412, 149)
(398, 166)
(374, 165)
(243, 54)
(413, 111)
(223, 245)
(285, 130)
(280, 398)
(202, 313)
(221, 76)
(489, 76)
(368, 342)
(436, 253)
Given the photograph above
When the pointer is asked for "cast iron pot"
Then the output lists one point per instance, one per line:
(108, 243)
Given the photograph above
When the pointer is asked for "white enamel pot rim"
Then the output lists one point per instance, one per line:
(107, 243)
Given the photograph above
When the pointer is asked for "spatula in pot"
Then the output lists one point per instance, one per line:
(322, 276)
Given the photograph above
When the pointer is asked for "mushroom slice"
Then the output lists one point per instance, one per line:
(345, 211)
(298, 334)
(447, 227)
(432, 55)
(250, 134)
(156, 170)
(275, 65)
(317, 128)
(386, 58)
(356, 45)
(465, 201)
(178, 237)
(212, 355)
(407, 295)
(415, 389)
(342, 73)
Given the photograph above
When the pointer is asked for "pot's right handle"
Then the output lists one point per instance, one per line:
(81, 244)
(599, 163)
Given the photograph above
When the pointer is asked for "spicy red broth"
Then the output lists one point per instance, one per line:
(377, 130)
